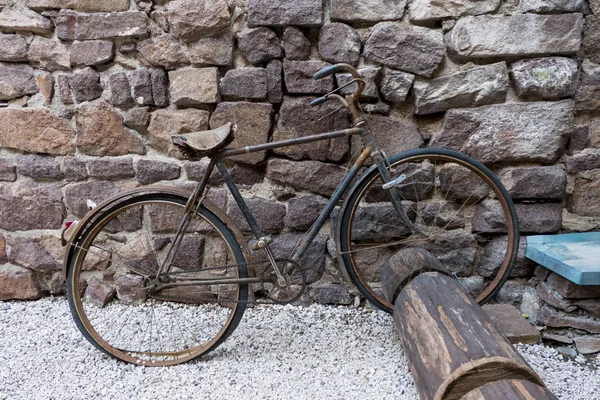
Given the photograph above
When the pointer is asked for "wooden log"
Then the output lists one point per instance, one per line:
(405, 265)
(513, 389)
(451, 345)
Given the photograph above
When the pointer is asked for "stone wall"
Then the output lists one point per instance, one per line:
(92, 90)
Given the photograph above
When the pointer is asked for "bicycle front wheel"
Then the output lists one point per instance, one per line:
(466, 216)
(114, 291)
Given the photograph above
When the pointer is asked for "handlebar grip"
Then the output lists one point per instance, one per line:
(317, 101)
(327, 71)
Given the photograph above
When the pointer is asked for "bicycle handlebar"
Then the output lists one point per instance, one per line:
(332, 69)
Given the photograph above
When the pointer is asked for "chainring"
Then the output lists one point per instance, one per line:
(291, 290)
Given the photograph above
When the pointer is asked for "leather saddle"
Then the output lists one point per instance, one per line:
(205, 143)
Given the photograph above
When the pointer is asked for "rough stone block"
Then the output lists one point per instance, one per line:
(298, 119)
(253, 121)
(295, 45)
(85, 84)
(331, 294)
(77, 194)
(16, 80)
(314, 176)
(163, 51)
(120, 91)
(339, 43)
(19, 284)
(591, 38)
(269, 215)
(476, 87)
(160, 87)
(496, 36)
(535, 182)
(8, 172)
(571, 290)
(584, 200)
(299, 79)
(395, 85)
(39, 167)
(28, 253)
(166, 123)
(115, 140)
(285, 12)
(513, 326)
(587, 97)
(36, 130)
(546, 78)
(357, 11)
(394, 134)
(431, 10)
(64, 89)
(71, 25)
(587, 345)
(74, 169)
(552, 7)
(212, 50)
(583, 161)
(141, 86)
(45, 82)
(48, 54)
(98, 293)
(550, 296)
(590, 305)
(194, 86)
(191, 20)
(302, 212)
(14, 48)
(80, 5)
(138, 118)
(539, 218)
(513, 132)
(245, 83)
(27, 205)
(150, 171)
(556, 319)
(130, 289)
(108, 168)
(24, 20)
(259, 45)
(274, 81)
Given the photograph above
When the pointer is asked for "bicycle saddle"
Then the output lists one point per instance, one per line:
(204, 143)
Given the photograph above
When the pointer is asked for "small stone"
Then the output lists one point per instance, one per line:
(588, 93)
(550, 296)
(74, 169)
(395, 85)
(591, 36)
(39, 167)
(358, 11)
(512, 292)
(115, 139)
(253, 121)
(24, 20)
(160, 87)
(539, 218)
(557, 338)
(194, 86)
(497, 36)
(530, 305)
(583, 161)
(64, 89)
(556, 319)
(584, 201)
(546, 78)
(409, 48)
(163, 51)
(85, 84)
(76, 195)
(339, 43)
(80, 5)
(274, 81)
(571, 290)
(14, 48)
(331, 294)
(299, 79)
(495, 134)
(285, 12)
(430, 10)
(28, 253)
(120, 92)
(555, 6)
(130, 289)
(138, 118)
(259, 45)
(3, 258)
(45, 82)
(541, 272)
(314, 176)
(98, 293)
(475, 87)
(298, 119)
(191, 20)
(370, 75)
(587, 345)
(592, 306)
(150, 171)
(109, 168)
(245, 83)
(535, 182)
(302, 212)
(27, 205)
(72, 25)
(128, 47)
(8, 172)
(269, 215)
(91, 52)
(16, 80)
(36, 130)
(295, 45)
(20, 284)
(212, 50)
(166, 123)
(142, 87)
(513, 326)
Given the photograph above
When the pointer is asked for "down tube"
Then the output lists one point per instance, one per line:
(335, 198)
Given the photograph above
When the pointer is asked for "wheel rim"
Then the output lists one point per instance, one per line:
(161, 328)
(489, 244)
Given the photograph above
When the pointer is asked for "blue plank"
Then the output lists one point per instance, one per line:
(575, 256)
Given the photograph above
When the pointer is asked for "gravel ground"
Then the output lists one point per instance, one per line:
(277, 352)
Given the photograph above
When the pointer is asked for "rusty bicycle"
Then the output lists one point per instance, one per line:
(159, 275)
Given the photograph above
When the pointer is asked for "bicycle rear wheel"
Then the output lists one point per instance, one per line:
(466, 214)
(112, 276)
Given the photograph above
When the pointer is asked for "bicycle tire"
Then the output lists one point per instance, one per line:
(492, 248)
(194, 320)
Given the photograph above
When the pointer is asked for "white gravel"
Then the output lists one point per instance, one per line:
(277, 352)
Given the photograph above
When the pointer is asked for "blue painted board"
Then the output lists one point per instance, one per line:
(575, 256)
